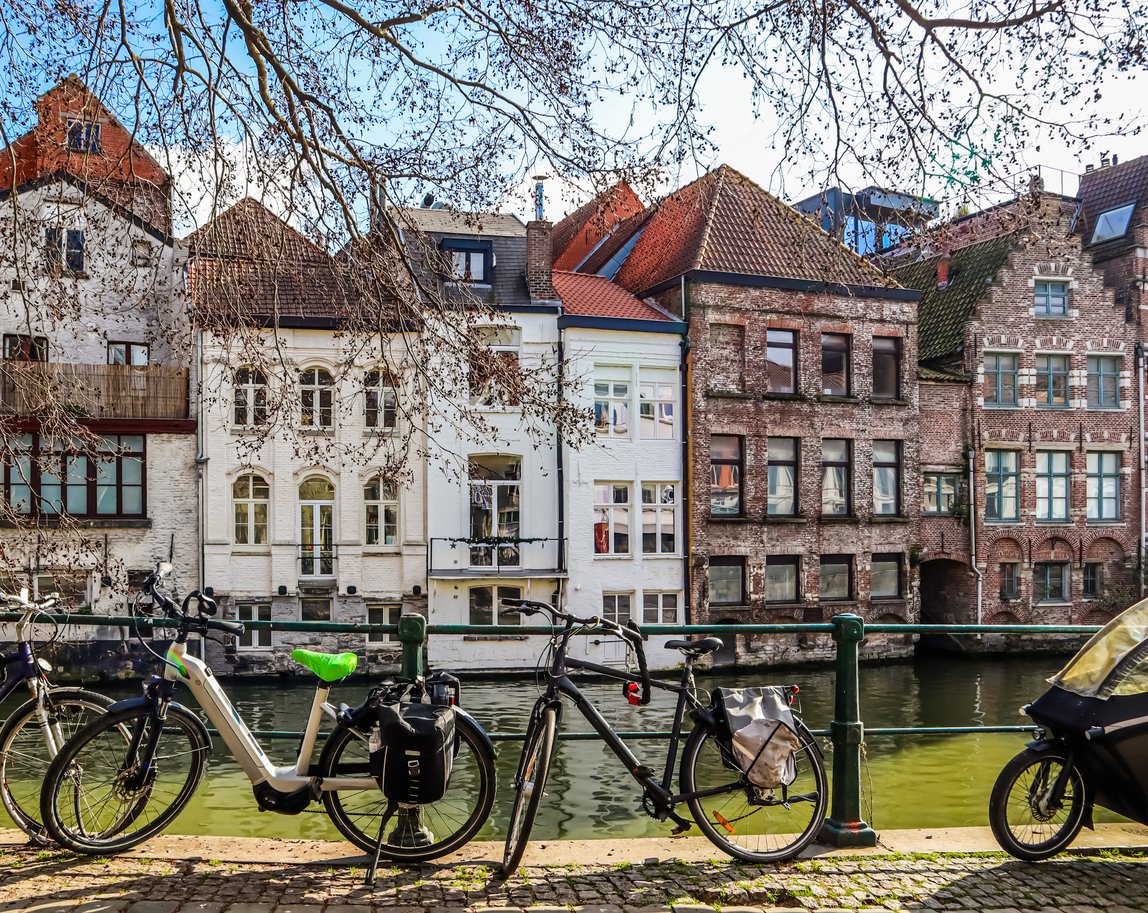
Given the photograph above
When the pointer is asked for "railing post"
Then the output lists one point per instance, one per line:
(844, 826)
(412, 635)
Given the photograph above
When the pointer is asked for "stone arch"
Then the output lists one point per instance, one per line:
(1005, 618)
(1096, 616)
(890, 618)
(948, 592)
(1054, 548)
(1006, 548)
(1104, 549)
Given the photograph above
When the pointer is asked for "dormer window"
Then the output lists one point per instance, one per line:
(83, 136)
(468, 261)
(1112, 223)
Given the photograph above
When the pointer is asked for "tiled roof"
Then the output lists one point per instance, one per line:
(1110, 188)
(250, 230)
(595, 296)
(943, 312)
(925, 373)
(448, 222)
(724, 222)
(580, 232)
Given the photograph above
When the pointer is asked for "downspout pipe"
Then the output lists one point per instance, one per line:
(560, 448)
(687, 478)
(1143, 494)
(973, 534)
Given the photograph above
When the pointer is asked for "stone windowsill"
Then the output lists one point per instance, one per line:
(839, 518)
(729, 394)
(888, 518)
(729, 606)
(785, 518)
(879, 401)
(740, 518)
(78, 523)
(836, 398)
(784, 397)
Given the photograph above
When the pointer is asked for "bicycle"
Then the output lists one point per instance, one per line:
(124, 778)
(34, 732)
(745, 821)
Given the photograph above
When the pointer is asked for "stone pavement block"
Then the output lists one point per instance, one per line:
(103, 905)
(154, 906)
(201, 906)
(296, 908)
(347, 908)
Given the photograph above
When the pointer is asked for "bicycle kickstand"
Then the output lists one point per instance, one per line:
(369, 881)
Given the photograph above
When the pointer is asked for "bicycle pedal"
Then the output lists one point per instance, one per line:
(679, 830)
(643, 772)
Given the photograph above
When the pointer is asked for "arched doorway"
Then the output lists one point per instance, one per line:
(948, 592)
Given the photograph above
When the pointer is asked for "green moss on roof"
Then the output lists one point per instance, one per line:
(943, 312)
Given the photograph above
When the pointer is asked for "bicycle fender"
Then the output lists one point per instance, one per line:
(1045, 744)
(144, 702)
(483, 737)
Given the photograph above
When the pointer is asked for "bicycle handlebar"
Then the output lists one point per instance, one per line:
(205, 605)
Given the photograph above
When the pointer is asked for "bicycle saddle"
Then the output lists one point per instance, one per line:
(701, 647)
(330, 667)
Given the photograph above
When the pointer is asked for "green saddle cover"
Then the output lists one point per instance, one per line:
(328, 666)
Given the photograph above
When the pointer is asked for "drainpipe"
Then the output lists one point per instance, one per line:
(560, 465)
(687, 478)
(973, 533)
(1143, 495)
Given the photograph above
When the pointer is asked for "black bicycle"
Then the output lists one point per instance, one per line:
(748, 822)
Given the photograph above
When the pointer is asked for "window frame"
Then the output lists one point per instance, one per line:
(896, 559)
(739, 465)
(655, 407)
(1002, 476)
(997, 374)
(1040, 582)
(1049, 476)
(612, 510)
(736, 561)
(387, 607)
(29, 345)
(1009, 580)
(1100, 219)
(885, 465)
(1045, 305)
(832, 560)
(660, 508)
(380, 400)
(1092, 580)
(504, 512)
(325, 605)
(611, 403)
(316, 398)
(770, 478)
(614, 612)
(1101, 375)
(938, 491)
(64, 249)
(788, 561)
(130, 349)
(896, 358)
(847, 464)
(791, 346)
(469, 246)
(255, 396)
(483, 393)
(1046, 379)
(87, 132)
(841, 343)
(1094, 485)
(249, 502)
(660, 609)
(252, 639)
(380, 504)
(498, 613)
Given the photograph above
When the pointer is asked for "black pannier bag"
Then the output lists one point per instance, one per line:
(413, 749)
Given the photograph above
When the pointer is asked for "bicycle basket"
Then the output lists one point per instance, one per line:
(762, 733)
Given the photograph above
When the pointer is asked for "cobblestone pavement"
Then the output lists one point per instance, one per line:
(54, 882)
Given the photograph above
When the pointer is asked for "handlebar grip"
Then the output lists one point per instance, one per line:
(228, 627)
(512, 603)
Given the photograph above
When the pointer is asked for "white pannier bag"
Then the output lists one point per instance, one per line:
(763, 734)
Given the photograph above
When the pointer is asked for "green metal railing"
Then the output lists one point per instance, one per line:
(844, 827)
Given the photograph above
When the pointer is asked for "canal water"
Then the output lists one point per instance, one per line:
(909, 781)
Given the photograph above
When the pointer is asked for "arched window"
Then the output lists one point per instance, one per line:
(250, 406)
(381, 510)
(316, 398)
(382, 401)
(252, 498)
(317, 527)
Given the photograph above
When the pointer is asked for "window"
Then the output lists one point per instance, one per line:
(781, 361)
(657, 404)
(251, 496)
(1050, 581)
(317, 527)
(71, 585)
(835, 364)
(468, 261)
(616, 607)
(253, 638)
(64, 249)
(1001, 484)
(18, 347)
(836, 471)
(383, 613)
(727, 363)
(1010, 580)
(725, 475)
(495, 508)
(1050, 298)
(483, 610)
(381, 401)
(941, 492)
(381, 512)
(781, 476)
(141, 253)
(887, 478)
(1103, 382)
(127, 353)
(316, 398)
(886, 367)
(659, 518)
(611, 406)
(781, 583)
(727, 580)
(83, 136)
(250, 407)
(315, 608)
(46, 478)
(1051, 485)
(494, 376)
(1000, 379)
(612, 518)
(1112, 224)
(660, 608)
(1051, 381)
(1093, 580)
(119, 488)
(1103, 486)
(885, 577)
(836, 578)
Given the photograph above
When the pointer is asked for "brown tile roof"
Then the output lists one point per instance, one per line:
(596, 296)
(724, 222)
(1110, 188)
(580, 232)
(250, 230)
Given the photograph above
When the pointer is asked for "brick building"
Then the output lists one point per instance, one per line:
(1028, 423)
(803, 422)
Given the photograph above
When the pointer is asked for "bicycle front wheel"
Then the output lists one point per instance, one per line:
(746, 821)
(529, 784)
(29, 742)
(101, 796)
(412, 833)
(1031, 817)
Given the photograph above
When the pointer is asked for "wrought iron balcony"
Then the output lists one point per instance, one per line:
(31, 388)
(495, 556)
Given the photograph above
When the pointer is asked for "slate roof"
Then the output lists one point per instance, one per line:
(596, 296)
(576, 236)
(725, 223)
(451, 222)
(1110, 188)
(943, 312)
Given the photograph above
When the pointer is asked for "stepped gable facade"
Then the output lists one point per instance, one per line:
(803, 415)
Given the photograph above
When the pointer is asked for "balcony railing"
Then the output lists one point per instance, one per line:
(317, 561)
(93, 391)
(508, 556)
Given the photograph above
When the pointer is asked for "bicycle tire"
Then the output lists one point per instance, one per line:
(99, 817)
(529, 785)
(1017, 817)
(25, 754)
(357, 813)
(751, 823)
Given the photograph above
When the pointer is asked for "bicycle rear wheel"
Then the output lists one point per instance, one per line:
(26, 753)
(100, 798)
(529, 784)
(749, 822)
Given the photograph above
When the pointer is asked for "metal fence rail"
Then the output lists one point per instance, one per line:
(845, 826)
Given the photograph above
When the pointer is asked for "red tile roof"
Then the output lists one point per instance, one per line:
(724, 222)
(595, 296)
(581, 231)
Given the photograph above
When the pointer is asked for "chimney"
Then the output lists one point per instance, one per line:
(943, 262)
(539, 260)
(1115, 161)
